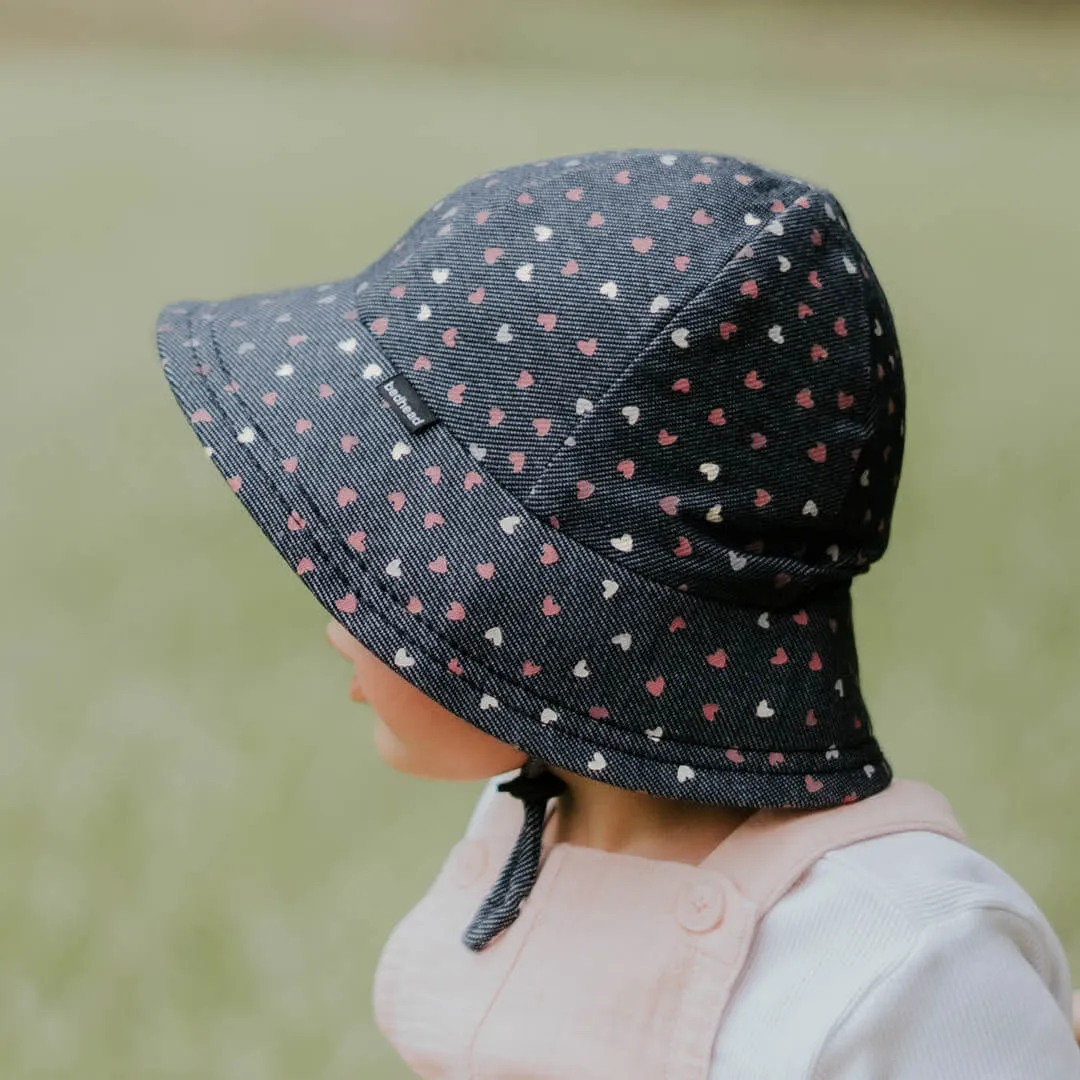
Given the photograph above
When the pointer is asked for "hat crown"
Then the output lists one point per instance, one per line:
(659, 380)
(682, 360)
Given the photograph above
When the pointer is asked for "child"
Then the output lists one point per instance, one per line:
(584, 468)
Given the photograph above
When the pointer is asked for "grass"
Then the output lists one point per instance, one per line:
(200, 854)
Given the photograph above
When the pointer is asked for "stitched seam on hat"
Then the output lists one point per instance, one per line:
(821, 592)
(873, 408)
(666, 328)
(504, 678)
(818, 591)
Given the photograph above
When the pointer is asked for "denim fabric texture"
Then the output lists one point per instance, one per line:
(669, 410)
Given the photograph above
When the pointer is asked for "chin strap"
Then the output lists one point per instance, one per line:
(534, 786)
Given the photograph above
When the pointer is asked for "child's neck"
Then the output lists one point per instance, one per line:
(597, 815)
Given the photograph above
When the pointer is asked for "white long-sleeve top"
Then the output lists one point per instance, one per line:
(909, 956)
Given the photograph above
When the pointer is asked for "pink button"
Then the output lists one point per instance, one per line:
(701, 906)
(470, 858)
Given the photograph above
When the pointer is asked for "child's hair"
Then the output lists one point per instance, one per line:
(591, 456)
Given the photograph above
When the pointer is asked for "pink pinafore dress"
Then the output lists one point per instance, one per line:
(618, 965)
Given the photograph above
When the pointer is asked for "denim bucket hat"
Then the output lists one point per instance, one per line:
(591, 457)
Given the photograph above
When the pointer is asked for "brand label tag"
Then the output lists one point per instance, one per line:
(406, 404)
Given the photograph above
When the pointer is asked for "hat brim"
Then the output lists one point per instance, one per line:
(394, 534)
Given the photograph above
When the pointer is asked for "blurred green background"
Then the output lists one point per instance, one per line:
(200, 852)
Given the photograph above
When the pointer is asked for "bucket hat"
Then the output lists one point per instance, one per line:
(591, 456)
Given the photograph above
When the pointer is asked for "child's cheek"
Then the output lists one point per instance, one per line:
(441, 747)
